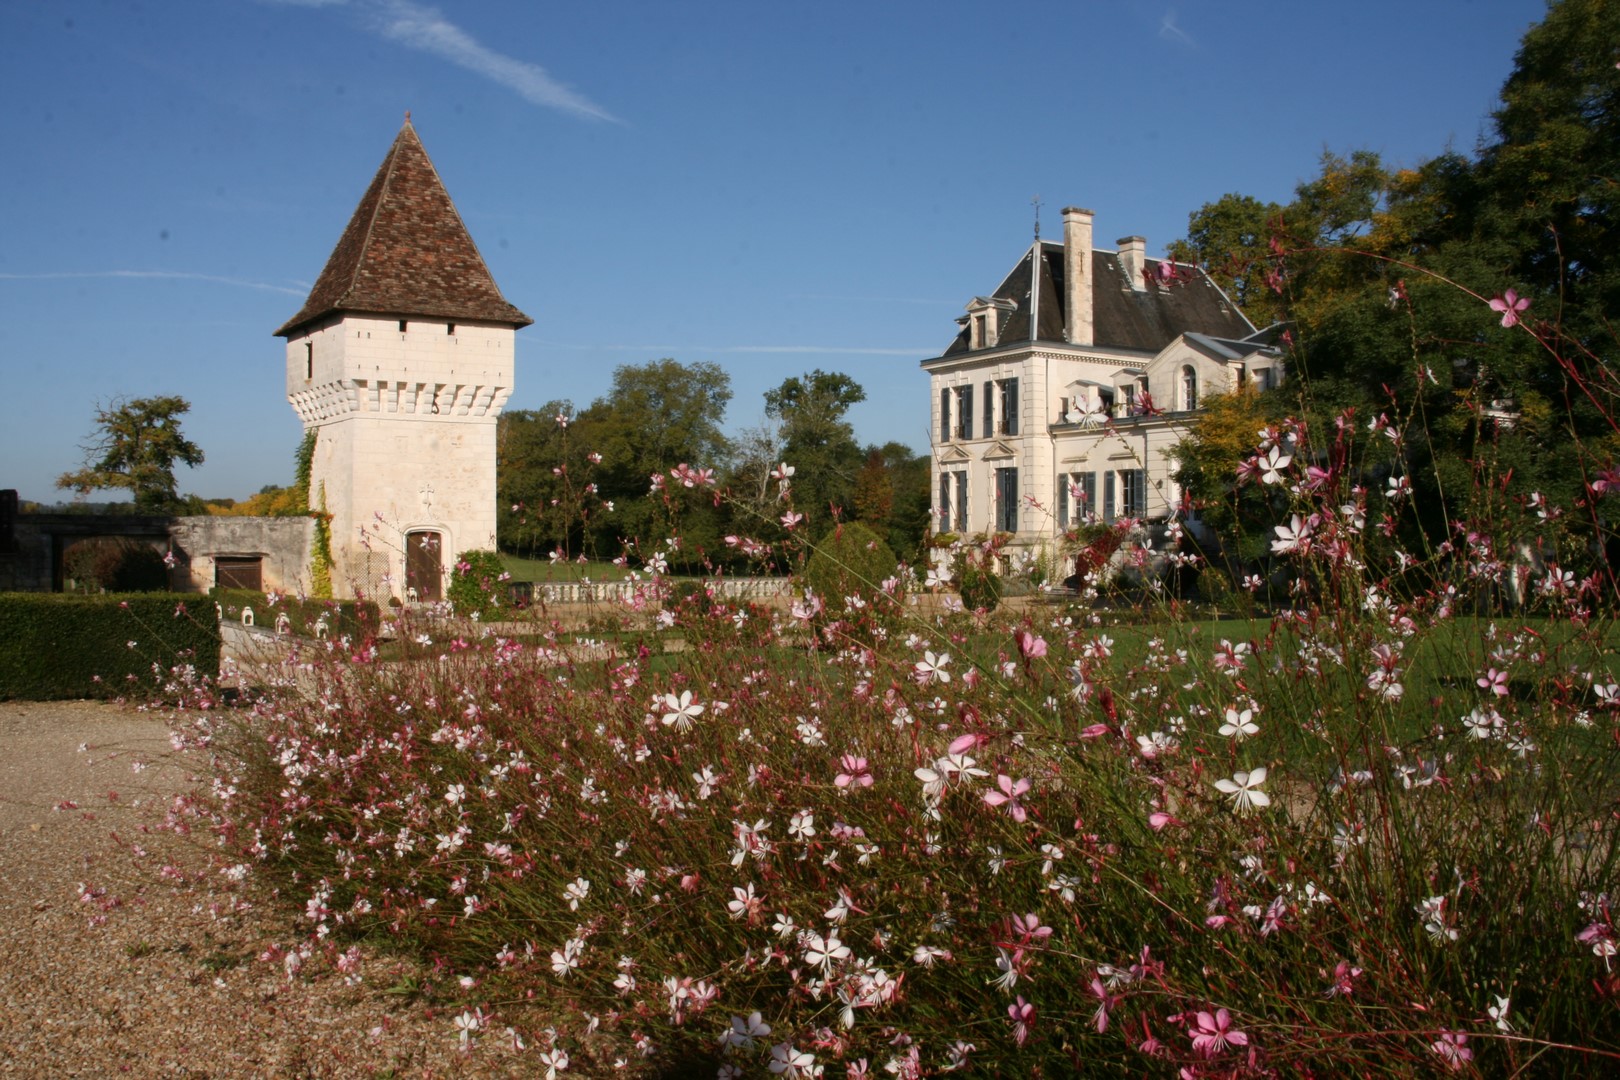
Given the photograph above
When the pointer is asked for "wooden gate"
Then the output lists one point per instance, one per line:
(239, 572)
(423, 566)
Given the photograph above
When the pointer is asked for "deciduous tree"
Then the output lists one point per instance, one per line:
(135, 446)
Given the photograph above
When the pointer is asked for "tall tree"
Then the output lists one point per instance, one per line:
(818, 441)
(656, 416)
(135, 446)
(1554, 167)
(1229, 238)
(1386, 273)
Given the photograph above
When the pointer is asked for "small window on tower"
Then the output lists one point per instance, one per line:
(450, 328)
(309, 360)
(402, 325)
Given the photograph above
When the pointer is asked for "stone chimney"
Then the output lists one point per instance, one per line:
(1078, 317)
(1133, 260)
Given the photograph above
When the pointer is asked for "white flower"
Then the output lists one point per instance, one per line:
(745, 904)
(802, 825)
(577, 891)
(932, 667)
(1272, 465)
(1291, 537)
(567, 958)
(1240, 725)
(555, 1060)
(467, 1024)
(1499, 1013)
(786, 1060)
(1436, 922)
(1244, 789)
(823, 951)
(1484, 723)
(679, 712)
(743, 1032)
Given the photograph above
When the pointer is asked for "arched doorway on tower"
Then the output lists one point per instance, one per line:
(424, 565)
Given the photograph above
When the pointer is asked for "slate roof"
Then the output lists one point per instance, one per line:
(406, 252)
(1135, 319)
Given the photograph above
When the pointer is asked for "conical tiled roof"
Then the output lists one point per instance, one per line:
(406, 253)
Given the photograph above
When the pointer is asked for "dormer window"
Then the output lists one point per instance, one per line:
(986, 316)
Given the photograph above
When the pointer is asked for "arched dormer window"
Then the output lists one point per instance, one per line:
(1189, 388)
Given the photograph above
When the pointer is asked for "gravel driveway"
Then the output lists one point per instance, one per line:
(112, 965)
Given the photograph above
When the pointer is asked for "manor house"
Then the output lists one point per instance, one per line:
(1063, 390)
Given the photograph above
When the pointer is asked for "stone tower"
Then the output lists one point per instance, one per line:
(400, 362)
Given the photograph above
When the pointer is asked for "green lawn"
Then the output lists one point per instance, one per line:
(525, 569)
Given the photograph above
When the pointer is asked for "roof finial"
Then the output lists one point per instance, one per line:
(407, 116)
(1036, 202)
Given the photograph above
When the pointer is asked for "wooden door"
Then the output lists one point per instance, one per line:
(423, 566)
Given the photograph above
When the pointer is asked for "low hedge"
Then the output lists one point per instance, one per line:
(356, 617)
(67, 645)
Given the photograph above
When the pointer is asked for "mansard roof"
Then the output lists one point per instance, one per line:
(1140, 316)
(406, 252)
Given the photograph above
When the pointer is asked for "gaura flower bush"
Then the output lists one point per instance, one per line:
(1371, 832)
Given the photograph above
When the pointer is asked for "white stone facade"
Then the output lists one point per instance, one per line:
(1038, 427)
(405, 411)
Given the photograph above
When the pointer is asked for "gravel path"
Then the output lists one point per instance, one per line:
(112, 966)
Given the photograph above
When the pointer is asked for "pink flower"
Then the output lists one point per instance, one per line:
(1010, 790)
(1030, 646)
(1452, 1046)
(1509, 304)
(1028, 928)
(1022, 1014)
(1214, 1033)
(1494, 681)
(1105, 1002)
(856, 772)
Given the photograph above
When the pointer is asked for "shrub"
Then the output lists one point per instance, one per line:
(64, 645)
(851, 560)
(979, 586)
(115, 564)
(478, 585)
(1371, 835)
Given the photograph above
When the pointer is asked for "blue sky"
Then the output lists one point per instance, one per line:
(772, 187)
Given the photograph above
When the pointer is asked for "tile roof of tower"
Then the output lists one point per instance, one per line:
(406, 252)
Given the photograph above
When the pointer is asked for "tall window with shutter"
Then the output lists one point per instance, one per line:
(1006, 511)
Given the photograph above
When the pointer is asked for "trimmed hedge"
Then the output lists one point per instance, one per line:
(356, 617)
(65, 645)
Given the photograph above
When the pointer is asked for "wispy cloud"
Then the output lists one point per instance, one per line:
(1170, 28)
(173, 275)
(424, 28)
